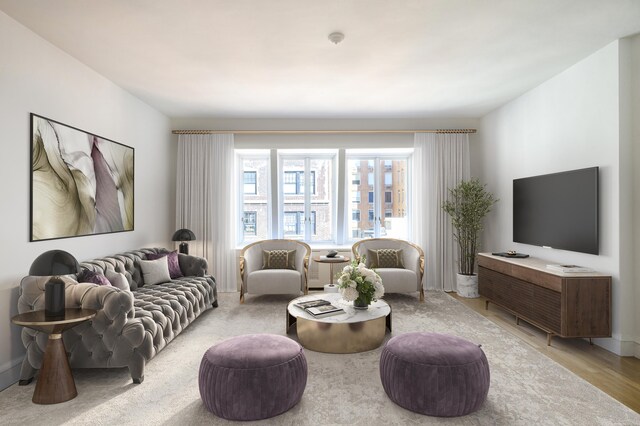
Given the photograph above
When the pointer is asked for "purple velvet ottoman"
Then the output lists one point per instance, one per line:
(252, 377)
(434, 374)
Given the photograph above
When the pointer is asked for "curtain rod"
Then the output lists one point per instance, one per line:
(321, 132)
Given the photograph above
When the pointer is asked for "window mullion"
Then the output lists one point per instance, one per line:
(307, 199)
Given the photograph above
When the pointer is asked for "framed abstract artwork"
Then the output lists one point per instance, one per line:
(81, 183)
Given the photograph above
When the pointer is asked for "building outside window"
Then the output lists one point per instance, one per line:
(294, 182)
(250, 182)
(386, 212)
(253, 201)
(355, 215)
(312, 201)
(294, 223)
(249, 223)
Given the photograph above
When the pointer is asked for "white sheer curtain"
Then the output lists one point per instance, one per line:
(204, 201)
(440, 161)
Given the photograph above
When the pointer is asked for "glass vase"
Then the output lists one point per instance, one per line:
(360, 303)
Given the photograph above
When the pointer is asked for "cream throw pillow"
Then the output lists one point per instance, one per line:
(155, 271)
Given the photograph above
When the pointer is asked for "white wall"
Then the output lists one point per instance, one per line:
(38, 77)
(634, 81)
(577, 119)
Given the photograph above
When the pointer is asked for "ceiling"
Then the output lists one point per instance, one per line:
(258, 58)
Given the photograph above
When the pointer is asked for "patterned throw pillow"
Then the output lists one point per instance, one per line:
(385, 258)
(279, 259)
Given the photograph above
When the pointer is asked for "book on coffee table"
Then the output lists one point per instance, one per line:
(324, 310)
(312, 303)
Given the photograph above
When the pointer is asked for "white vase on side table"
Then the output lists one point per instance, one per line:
(467, 285)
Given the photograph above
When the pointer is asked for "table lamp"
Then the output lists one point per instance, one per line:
(183, 235)
(54, 263)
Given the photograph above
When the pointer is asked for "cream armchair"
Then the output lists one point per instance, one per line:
(395, 280)
(258, 278)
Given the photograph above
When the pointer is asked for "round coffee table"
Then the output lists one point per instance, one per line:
(354, 331)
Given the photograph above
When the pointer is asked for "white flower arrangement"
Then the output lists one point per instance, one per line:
(359, 283)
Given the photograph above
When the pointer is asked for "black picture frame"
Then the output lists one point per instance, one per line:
(81, 184)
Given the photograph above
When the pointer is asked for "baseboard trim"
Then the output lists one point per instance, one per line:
(11, 375)
(619, 347)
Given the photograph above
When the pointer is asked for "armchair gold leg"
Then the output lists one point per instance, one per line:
(241, 296)
(306, 289)
(422, 294)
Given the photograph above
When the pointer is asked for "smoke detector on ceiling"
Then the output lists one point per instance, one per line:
(336, 37)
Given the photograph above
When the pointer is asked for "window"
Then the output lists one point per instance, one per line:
(295, 197)
(388, 178)
(386, 209)
(250, 183)
(253, 199)
(312, 201)
(249, 223)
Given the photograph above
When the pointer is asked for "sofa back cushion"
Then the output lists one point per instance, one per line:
(126, 263)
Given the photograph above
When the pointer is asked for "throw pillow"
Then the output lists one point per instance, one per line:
(172, 260)
(279, 259)
(117, 280)
(385, 258)
(88, 276)
(155, 271)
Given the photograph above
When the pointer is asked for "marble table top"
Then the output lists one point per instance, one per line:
(377, 309)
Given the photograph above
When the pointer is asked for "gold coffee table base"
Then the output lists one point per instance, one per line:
(343, 338)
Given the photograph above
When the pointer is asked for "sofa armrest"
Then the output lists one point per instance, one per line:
(92, 343)
(192, 266)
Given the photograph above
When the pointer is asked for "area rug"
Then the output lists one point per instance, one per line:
(527, 388)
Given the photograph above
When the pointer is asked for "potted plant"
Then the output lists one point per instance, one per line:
(468, 203)
(360, 284)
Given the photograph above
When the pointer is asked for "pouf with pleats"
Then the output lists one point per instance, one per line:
(435, 374)
(252, 377)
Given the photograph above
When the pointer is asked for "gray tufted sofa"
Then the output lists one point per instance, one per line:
(131, 327)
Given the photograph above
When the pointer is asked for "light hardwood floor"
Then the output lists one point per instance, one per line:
(615, 375)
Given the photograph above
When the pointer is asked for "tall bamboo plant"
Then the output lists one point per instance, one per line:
(468, 203)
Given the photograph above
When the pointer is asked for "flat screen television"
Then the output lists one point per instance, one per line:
(558, 210)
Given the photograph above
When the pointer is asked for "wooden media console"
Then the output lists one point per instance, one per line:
(561, 304)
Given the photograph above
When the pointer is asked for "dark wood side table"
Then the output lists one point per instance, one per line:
(55, 382)
(331, 261)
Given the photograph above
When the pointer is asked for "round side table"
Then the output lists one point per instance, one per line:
(331, 261)
(55, 382)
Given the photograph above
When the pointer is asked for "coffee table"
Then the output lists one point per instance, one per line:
(354, 331)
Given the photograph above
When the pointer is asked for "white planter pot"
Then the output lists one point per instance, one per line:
(467, 285)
